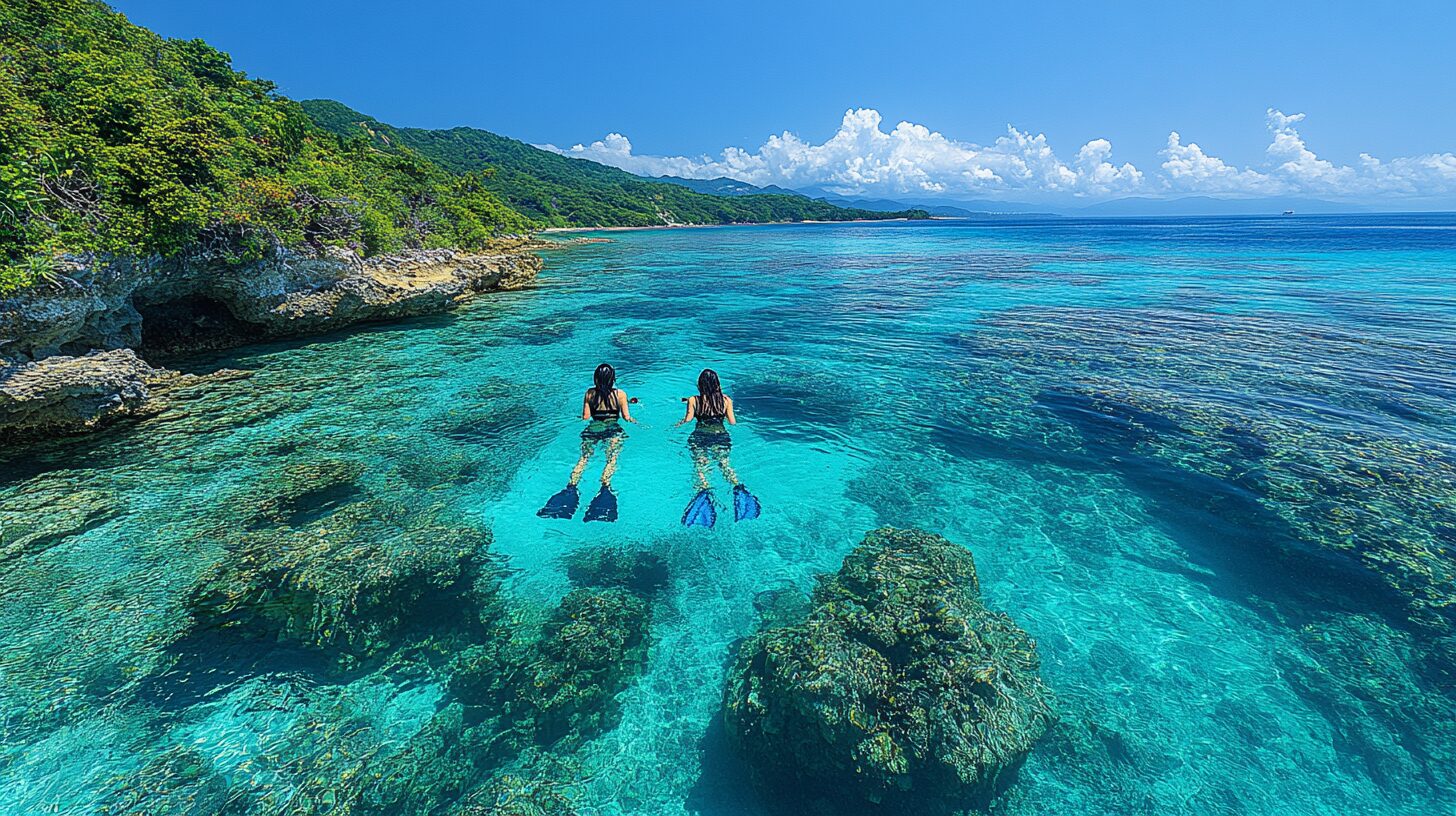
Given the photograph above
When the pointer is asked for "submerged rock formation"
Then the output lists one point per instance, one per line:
(900, 691)
(317, 562)
(643, 573)
(53, 381)
(563, 687)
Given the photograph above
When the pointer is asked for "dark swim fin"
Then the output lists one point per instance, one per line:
(701, 512)
(745, 504)
(562, 505)
(603, 507)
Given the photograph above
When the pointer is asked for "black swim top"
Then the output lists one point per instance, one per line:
(600, 412)
(704, 413)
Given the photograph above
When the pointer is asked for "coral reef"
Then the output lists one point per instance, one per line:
(512, 795)
(48, 511)
(323, 564)
(643, 573)
(563, 687)
(592, 646)
(900, 690)
(1354, 467)
(180, 780)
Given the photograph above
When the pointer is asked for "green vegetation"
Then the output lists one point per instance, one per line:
(113, 139)
(116, 140)
(557, 191)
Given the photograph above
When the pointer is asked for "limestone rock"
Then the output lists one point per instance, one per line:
(65, 358)
(71, 394)
(192, 302)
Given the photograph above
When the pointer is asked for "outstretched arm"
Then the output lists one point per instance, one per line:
(585, 408)
(728, 410)
(624, 402)
(691, 412)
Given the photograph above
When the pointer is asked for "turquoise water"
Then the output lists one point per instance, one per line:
(1210, 465)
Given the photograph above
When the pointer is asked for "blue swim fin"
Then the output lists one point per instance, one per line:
(562, 505)
(745, 504)
(701, 512)
(603, 507)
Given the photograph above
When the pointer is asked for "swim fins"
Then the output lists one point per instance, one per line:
(562, 505)
(701, 512)
(745, 504)
(603, 507)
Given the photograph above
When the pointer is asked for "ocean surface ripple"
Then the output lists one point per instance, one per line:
(1208, 464)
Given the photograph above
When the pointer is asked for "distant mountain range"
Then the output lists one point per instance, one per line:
(556, 191)
(723, 186)
(988, 208)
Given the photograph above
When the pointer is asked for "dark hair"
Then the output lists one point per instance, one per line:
(710, 395)
(605, 388)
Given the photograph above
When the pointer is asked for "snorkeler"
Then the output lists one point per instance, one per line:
(602, 406)
(712, 408)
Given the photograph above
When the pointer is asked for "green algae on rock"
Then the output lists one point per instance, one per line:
(643, 573)
(562, 688)
(49, 510)
(349, 579)
(514, 795)
(900, 690)
(592, 646)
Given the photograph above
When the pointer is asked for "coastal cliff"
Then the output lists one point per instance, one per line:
(66, 348)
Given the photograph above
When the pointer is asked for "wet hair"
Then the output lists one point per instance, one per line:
(710, 394)
(605, 387)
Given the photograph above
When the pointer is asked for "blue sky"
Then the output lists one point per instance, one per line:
(683, 81)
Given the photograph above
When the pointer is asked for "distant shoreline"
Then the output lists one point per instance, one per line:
(556, 230)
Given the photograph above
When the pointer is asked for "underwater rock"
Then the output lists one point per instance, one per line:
(781, 606)
(180, 781)
(563, 687)
(307, 489)
(642, 573)
(899, 691)
(590, 649)
(60, 395)
(350, 583)
(432, 468)
(515, 795)
(48, 510)
(1393, 724)
(1351, 465)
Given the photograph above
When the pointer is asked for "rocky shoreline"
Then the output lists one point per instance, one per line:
(69, 357)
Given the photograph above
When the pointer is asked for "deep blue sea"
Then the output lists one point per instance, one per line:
(1209, 464)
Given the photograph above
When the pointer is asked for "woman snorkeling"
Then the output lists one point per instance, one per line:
(714, 412)
(604, 408)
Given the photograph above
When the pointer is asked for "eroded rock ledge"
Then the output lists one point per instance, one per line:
(69, 394)
(66, 363)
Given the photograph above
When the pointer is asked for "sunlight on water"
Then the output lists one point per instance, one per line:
(1210, 465)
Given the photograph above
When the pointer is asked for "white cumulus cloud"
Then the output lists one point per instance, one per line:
(911, 160)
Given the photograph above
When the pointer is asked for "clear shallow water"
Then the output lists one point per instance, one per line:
(1209, 464)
